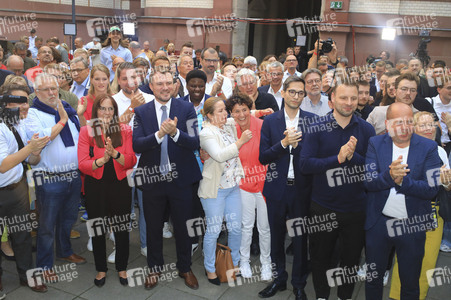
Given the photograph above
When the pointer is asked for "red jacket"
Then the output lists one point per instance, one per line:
(85, 161)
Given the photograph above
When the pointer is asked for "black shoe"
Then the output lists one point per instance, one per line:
(123, 281)
(255, 249)
(99, 282)
(214, 281)
(289, 250)
(299, 294)
(272, 289)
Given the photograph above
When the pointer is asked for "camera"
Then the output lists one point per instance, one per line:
(10, 116)
(327, 46)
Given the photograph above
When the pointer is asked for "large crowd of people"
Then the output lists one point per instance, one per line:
(301, 141)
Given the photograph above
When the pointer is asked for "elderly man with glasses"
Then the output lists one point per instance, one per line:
(314, 102)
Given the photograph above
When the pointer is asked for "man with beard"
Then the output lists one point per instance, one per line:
(217, 85)
(291, 64)
(45, 56)
(314, 102)
(167, 149)
(363, 109)
(337, 144)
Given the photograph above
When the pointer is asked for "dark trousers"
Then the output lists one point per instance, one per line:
(409, 251)
(15, 206)
(155, 202)
(289, 207)
(349, 231)
(198, 210)
(110, 199)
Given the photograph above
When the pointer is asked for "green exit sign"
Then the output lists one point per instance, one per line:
(336, 5)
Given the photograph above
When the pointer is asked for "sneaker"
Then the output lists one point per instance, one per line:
(167, 234)
(2, 295)
(144, 251)
(245, 270)
(266, 273)
(89, 245)
(84, 218)
(361, 273)
(445, 248)
(386, 275)
(194, 248)
(81, 207)
(112, 257)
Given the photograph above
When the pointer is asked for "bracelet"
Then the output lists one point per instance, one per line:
(95, 162)
(61, 123)
(118, 155)
(219, 94)
(315, 53)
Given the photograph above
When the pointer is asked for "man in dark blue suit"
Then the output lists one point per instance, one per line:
(3, 74)
(169, 168)
(400, 186)
(286, 189)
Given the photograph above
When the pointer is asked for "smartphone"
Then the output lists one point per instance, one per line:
(95, 51)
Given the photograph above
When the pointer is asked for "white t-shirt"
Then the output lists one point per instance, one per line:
(277, 95)
(227, 88)
(396, 203)
(439, 108)
(123, 102)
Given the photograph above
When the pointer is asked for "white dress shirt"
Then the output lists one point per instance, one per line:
(277, 95)
(291, 123)
(286, 74)
(8, 146)
(123, 103)
(227, 87)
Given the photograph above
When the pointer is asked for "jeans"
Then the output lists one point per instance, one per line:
(446, 240)
(142, 221)
(227, 205)
(254, 203)
(57, 201)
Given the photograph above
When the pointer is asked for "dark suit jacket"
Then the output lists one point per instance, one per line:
(273, 154)
(373, 88)
(180, 153)
(423, 157)
(265, 100)
(187, 96)
(264, 88)
(3, 74)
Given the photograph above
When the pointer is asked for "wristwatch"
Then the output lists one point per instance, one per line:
(132, 110)
(118, 155)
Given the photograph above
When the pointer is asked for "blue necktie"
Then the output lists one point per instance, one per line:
(164, 159)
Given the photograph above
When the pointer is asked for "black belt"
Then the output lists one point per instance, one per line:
(11, 186)
(290, 181)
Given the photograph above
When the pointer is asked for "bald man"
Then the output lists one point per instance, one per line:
(14, 63)
(116, 62)
(401, 168)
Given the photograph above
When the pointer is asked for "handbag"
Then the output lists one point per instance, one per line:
(224, 264)
(444, 202)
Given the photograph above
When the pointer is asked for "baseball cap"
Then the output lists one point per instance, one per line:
(115, 28)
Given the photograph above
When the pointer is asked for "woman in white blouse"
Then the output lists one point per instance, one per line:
(219, 189)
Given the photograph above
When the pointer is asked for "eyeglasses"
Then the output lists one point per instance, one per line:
(209, 61)
(276, 74)
(406, 89)
(46, 90)
(104, 109)
(293, 93)
(312, 81)
(78, 70)
(250, 83)
(291, 60)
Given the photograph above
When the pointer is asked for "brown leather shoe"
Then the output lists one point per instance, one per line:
(37, 288)
(151, 280)
(74, 234)
(74, 258)
(190, 280)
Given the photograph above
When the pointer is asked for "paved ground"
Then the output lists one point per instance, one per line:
(83, 286)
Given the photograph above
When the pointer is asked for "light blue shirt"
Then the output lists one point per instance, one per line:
(320, 109)
(79, 89)
(8, 146)
(105, 57)
(55, 157)
(143, 55)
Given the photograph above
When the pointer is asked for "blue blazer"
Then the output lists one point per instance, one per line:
(277, 158)
(263, 88)
(180, 153)
(423, 156)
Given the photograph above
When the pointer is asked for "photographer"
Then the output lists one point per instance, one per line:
(14, 149)
(328, 48)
